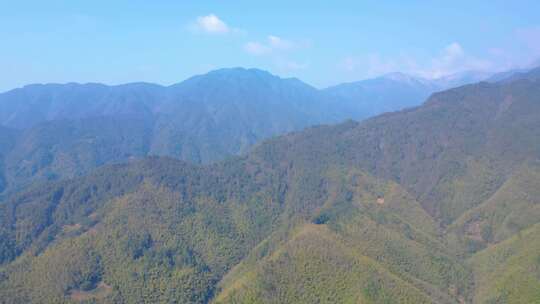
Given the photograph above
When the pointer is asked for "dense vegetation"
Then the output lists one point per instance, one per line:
(437, 204)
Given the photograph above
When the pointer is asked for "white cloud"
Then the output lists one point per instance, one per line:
(257, 49)
(453, 51)
(279, 43)
(212, 24)
(451, 59)
(273, 44)
(277, 50)
(519, 50)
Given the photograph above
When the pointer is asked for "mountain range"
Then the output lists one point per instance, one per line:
(433, 204)
(236, 87)
(397, 91)
(56, 131)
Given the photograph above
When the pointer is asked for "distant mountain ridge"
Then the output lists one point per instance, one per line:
(67, 130)
(387, 93)
(397, 91)
(24, 107)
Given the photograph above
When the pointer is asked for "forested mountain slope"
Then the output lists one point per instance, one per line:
(390, 210)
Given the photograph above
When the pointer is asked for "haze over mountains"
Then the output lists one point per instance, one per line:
(25, 107)
(433, 204)
(54, 131)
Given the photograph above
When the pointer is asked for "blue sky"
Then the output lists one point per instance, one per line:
(320, 42)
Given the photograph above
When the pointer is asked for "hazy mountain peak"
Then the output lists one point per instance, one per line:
(229, 75)
(239, 72)
(462, 78)
(530, 74)
(399, 76)
(251, 79)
